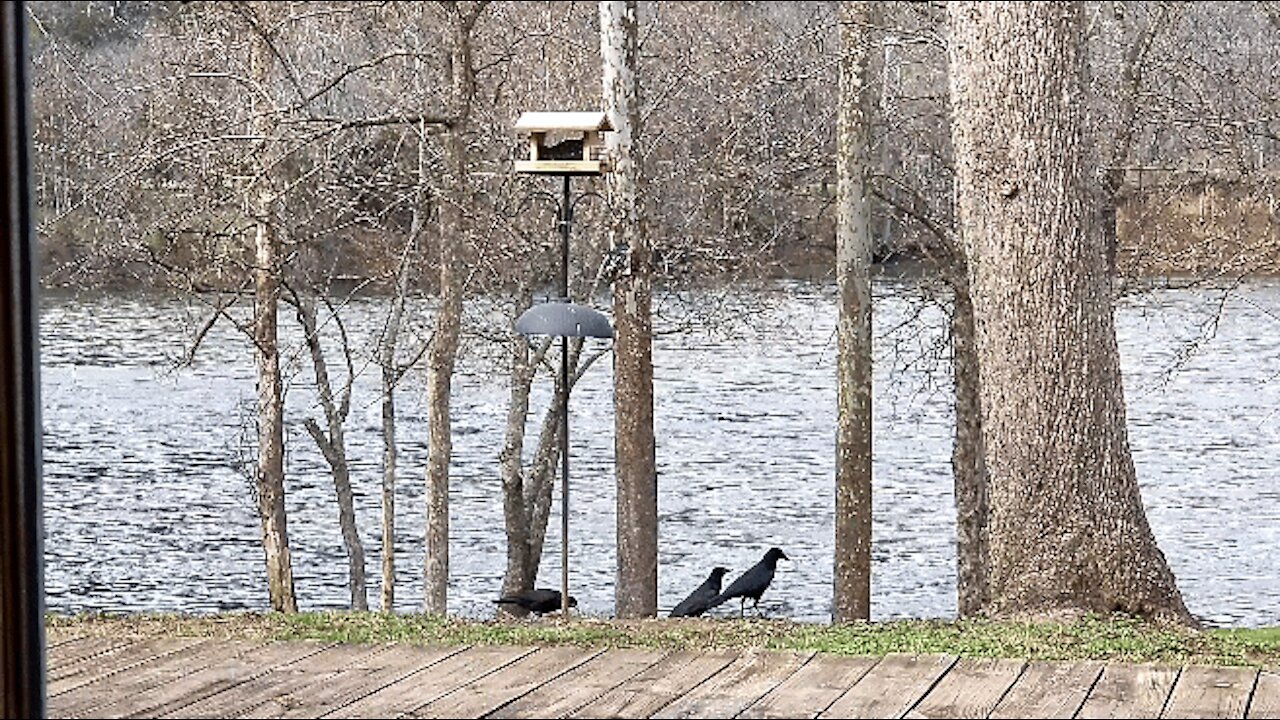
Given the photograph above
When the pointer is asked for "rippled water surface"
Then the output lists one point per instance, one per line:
(146, 507)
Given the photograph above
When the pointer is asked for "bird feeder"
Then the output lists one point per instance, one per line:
(564, 143)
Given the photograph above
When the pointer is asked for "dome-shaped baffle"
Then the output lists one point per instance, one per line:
(564, 319)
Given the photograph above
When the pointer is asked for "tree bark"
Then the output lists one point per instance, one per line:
(333, 447)
(1068, 533)
(967, 466)
(391, 374)
(636, 589)
(448, 324)
(269, 483)
(852, 579)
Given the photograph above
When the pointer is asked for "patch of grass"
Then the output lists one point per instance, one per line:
(1089, 638)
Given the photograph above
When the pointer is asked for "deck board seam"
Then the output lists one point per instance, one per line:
(568, 668)
(695, 686)
(951, 666)
(776, 685)
(604, 691)
(1021, 671)
(133, 665)
(379, 688)
(1173, 686)
(527, 652)
(1097, 676)
(1253, 688)
(253, 675)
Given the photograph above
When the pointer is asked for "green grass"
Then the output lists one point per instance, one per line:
(1089, 638)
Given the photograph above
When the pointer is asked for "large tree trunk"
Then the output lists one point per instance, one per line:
(1067, 532)
(333, 446)
(636, 591)
(444, 344)
(967, 466)
(269, 483)
(852, 578)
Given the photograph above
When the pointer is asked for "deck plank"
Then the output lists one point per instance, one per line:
(344, 687)
(811, 689)
(971, 689)
(1265, 702)
(567, 693)
(484, 695)
(1049, 690)
(733, 689)
(1211, 692)
(1129, 691)
(644, 694)
(133, 659)
(195, 684)
(417, 689)
(139, 678)
(62, 661)
(260, 689)
(892, 687)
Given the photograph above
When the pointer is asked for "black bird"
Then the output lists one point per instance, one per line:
(699, 600)
(539, 600)
(752, 583)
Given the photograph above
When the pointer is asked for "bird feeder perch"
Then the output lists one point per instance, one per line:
(564, 143)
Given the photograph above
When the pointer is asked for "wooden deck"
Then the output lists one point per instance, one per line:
(182, 677)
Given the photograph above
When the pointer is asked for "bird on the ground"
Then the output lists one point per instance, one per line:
(752, 583)
(699, 600)
(539, 600)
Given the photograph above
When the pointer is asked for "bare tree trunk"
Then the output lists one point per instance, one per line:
(852, 580)
(636, 591)
(515, 511)
(1067, 532)
(444, 345)
(267, 273)
(967, 467)
(333, 447)
(391, 375)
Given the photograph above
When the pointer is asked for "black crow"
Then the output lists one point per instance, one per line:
(699, 600)
(539, 600)
(752, 583)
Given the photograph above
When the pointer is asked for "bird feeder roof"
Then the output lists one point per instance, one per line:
(541, 122)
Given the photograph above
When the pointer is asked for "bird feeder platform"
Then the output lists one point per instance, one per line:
(564, 143)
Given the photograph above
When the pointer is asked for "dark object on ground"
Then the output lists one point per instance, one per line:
(699, 600)
(539, 600)
(752, 583)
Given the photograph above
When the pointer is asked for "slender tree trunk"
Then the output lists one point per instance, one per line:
(267, 273)
(972, 510)
(636, 590)
(391, 374)
(333, 447)
(1067, 532)
(515, 509)
(444, 345)
(853, 335)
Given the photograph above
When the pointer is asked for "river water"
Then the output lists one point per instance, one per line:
(147, 507)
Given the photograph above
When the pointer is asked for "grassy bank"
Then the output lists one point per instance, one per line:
(1093, 638)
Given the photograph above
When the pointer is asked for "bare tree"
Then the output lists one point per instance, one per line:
(461, 20)
(852, 577)
(636, 591)
(1068, 531)
(265, 210)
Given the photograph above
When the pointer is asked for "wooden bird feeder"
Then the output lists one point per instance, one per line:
(564, 143)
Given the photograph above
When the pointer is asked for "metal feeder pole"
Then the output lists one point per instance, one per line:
(566, 217)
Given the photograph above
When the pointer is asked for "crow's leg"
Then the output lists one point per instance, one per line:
(742, 607)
